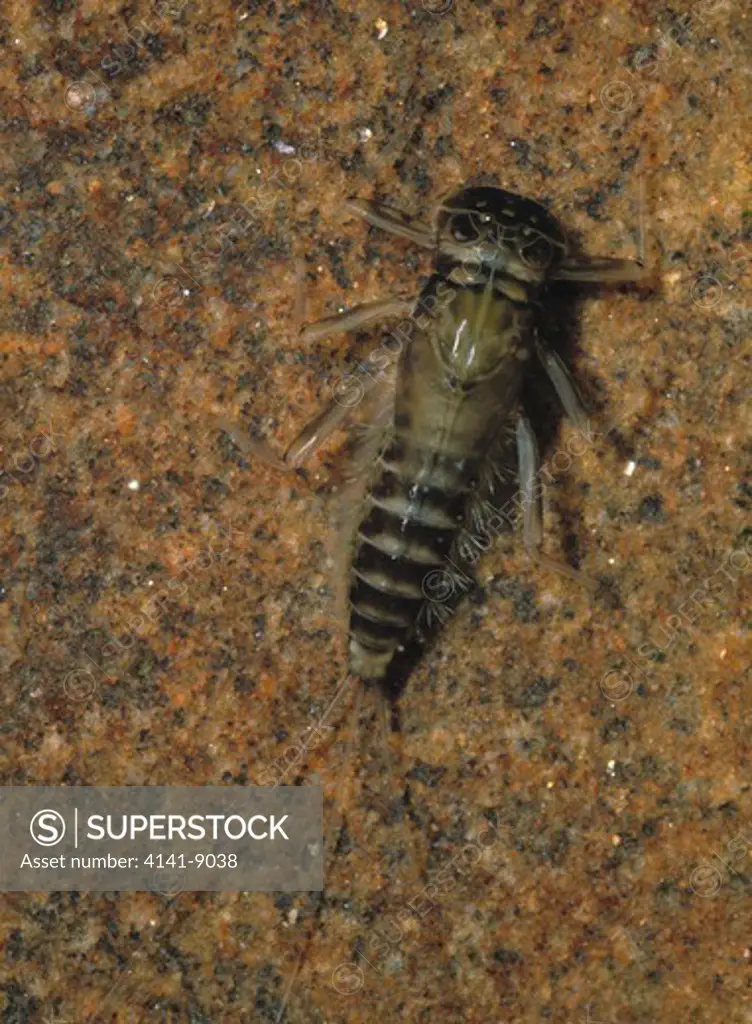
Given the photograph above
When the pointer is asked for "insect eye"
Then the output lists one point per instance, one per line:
(536, 252)
(463, 229)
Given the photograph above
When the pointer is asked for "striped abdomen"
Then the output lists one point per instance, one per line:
(414, 510)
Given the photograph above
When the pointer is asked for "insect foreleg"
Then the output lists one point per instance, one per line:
(605, 270)
(600, 270)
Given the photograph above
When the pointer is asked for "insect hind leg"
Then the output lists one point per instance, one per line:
(348, 392)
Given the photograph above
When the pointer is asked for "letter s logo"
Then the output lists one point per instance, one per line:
(47, 827)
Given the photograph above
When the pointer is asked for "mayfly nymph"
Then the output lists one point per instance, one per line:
(468, 341)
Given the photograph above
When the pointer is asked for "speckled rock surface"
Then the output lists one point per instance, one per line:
(609, 779)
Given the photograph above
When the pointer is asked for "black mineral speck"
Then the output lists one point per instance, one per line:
(593, 206)
(542, 27)
(525, 608)
(15, 945)
(20, 1007)
(613, 729)
(243, 684)
(522, 149)
(429, 775)
(434, 99)
(57, 7)
(651, 509)
(508, 957)
(533, 696)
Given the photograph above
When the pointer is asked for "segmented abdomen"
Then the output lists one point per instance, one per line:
(414, 510)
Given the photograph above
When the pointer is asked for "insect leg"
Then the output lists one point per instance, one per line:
(605, 270)
(529, 467)
(356, 318)
(600, 270)
(569, 397)
(563, 385)
(395, 221)
(348, 393)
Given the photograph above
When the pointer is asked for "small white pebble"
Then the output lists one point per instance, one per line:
(283, 147)
(630, 468)
(383, 28)
(80, 94)
(133, 485)
(364, 134)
